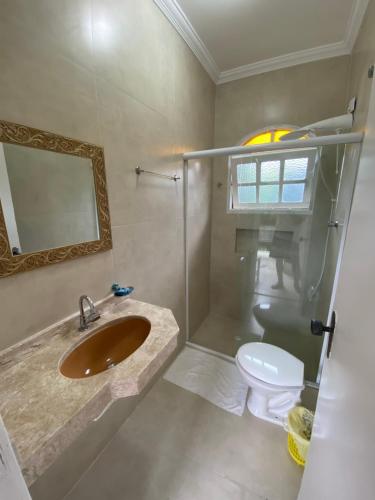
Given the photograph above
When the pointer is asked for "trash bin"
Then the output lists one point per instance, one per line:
(299, 426)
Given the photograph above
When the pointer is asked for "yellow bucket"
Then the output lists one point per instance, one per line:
(299, 430)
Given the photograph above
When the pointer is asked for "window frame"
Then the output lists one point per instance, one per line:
(305, 207)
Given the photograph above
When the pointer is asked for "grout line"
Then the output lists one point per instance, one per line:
(220, 355)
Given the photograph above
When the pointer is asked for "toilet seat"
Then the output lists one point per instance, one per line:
(271, 365)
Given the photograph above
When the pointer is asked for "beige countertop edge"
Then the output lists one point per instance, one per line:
(45, 456)
(125, 380)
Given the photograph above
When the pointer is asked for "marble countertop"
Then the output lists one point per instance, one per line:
(44, 411)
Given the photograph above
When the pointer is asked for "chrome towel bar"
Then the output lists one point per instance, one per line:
(139, 171)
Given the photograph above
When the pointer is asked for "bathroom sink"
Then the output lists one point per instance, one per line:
(106, 347)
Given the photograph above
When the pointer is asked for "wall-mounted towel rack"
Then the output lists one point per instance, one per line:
(139, 171)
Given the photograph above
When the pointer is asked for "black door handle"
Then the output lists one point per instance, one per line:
(317, 328)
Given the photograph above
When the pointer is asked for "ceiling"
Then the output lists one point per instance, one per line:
(238, 38)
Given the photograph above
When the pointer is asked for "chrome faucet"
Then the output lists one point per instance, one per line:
(84, 319)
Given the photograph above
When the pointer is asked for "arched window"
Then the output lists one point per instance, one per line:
(277, 181)
(268, 135)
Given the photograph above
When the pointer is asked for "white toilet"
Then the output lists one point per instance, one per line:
(275, 378)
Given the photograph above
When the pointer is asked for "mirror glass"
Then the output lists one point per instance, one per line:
(48, 198)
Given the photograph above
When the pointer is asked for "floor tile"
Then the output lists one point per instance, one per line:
(178, 446)
(201, 484)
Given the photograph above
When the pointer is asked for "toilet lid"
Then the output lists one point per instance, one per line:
(271, 364)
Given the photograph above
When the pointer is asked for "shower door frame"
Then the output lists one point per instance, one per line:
(348, 138)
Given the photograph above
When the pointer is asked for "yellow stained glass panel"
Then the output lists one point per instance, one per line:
(269, 136)
(260, 139)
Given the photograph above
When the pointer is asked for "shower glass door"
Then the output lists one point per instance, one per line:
(271, 267)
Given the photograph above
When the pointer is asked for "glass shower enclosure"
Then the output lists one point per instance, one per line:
(264, 236)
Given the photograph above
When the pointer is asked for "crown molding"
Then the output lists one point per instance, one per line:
(178, 19)
(284, 61)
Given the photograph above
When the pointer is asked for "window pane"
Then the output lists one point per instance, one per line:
(270, 171)
(295, 169)
(246, 173)
(269, 194)
(293, 193)
(247, 194)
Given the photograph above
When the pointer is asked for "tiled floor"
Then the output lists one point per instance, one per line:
(226, 335)
(178, 446)
(223, 334)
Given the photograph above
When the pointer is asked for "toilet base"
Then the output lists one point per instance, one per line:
(272, 409)
(272, 402)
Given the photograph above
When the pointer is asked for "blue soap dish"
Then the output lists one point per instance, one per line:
(120, 291)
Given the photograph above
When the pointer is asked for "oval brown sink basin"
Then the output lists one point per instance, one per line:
(106, 348)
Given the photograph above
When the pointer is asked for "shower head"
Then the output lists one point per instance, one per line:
(335, 124)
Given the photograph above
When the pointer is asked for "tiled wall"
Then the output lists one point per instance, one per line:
(117, 74)
(292, 96)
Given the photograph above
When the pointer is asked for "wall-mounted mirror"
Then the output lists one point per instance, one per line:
(54, 203)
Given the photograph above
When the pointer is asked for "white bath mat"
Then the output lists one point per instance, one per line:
(213, 378)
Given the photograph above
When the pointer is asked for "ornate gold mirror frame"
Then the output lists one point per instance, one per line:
(34, 138)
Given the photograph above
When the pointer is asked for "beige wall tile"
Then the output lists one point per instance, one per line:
(133, 46)
(32, 301)
(298, 95)
(117, 74)
(64, 26)
(137, 198)
(199, 272)
(39, 85)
